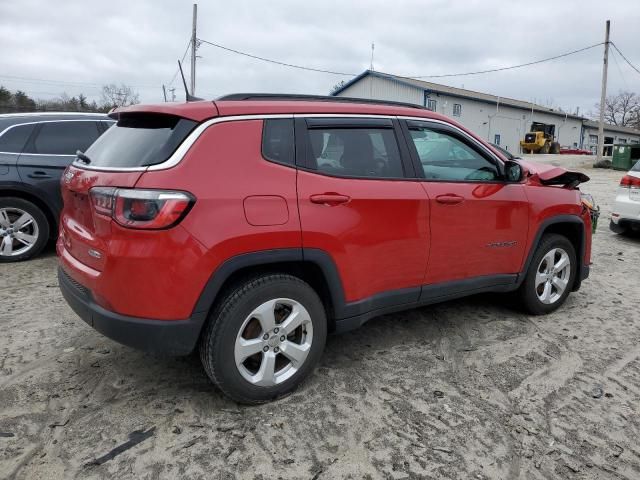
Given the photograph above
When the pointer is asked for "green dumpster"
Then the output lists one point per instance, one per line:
(625, 156)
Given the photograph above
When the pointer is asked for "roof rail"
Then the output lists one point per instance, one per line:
(312, 98)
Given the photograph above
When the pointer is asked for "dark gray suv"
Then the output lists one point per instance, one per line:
(35, 148)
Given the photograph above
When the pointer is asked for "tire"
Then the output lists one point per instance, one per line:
(617, 228)
(532, 292)
(236, 316)
(35, 230)
(555, 148)
(545, 148)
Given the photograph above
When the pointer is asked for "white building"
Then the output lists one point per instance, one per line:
(502, 121)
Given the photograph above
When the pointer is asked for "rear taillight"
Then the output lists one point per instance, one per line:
(144, 209)
(629, 181)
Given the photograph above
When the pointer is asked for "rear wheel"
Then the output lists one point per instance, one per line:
(550, 277)
(24, 229)
(555, 148)
(264, 338)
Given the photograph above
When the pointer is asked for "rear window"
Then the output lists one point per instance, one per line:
(139, 140)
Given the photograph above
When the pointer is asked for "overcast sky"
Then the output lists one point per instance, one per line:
(77, 45)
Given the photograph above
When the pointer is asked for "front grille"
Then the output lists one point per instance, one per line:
(84, 291)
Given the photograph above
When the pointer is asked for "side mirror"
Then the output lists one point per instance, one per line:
(513, 171)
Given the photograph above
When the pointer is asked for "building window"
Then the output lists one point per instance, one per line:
(593, 139)
(622, 140)
(496, 139)
(432, 104)
(457, 109)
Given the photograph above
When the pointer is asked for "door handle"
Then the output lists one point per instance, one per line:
(330, 199)
(449, 199)
(39, 175)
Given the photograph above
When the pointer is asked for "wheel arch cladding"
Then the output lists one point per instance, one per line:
(311, 265)
(570, 226)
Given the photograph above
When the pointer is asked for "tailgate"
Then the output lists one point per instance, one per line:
(83, 231)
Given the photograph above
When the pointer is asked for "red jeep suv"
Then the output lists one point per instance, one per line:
(251, 226)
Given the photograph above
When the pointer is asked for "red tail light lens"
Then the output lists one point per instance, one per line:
(629, 181)
(143, 209)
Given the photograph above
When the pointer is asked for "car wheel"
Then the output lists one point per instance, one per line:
(550, 277)
(24, 229)
(264, 338)
(617, 228)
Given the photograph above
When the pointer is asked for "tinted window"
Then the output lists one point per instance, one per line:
(64, 138)
(445, 157)
(139, 140)
(278, 141)
(356, 152)
(14, 139)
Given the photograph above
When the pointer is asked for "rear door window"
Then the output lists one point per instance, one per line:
(139, 140)
(63, 138)
(14, 139)
(355, 152)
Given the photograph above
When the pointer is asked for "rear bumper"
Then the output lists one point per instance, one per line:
(170, 337)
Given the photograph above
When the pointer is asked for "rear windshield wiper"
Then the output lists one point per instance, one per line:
(82, 157)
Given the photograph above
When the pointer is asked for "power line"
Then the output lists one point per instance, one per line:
(64, 83)
(624, 80)
(625, 58)
(184, 55)
(535, 62)
(460, 74)
(277, 62)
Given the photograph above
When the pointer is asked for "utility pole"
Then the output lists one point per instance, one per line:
(603, 94)
(173, 93)
(164, 92)
(194, 45)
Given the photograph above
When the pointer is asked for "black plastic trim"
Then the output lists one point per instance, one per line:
(558, 219)
(348, 122)
(405, 299)
(234, 264)
(171, 337)
(351, 314)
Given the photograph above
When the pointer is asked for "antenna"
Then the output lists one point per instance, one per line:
(190, 98)
(373, 46)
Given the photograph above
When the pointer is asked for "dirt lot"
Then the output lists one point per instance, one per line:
(466, 389)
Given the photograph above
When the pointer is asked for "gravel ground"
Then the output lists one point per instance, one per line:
(461, 390)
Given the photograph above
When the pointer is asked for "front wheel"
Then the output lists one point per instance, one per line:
(550, 277)
(24, 229)
(264, 338)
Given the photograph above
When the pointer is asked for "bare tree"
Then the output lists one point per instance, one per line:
(622, 109)
(118, 96)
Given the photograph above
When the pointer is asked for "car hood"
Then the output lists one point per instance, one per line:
(552, 175)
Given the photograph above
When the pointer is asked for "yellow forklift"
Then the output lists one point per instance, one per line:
(540, 139)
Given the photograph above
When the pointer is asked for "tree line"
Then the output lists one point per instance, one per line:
(622, 109)
(111, 96)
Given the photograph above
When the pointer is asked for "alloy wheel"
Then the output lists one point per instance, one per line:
(552, 275)
(18, 232)
(273, 342)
